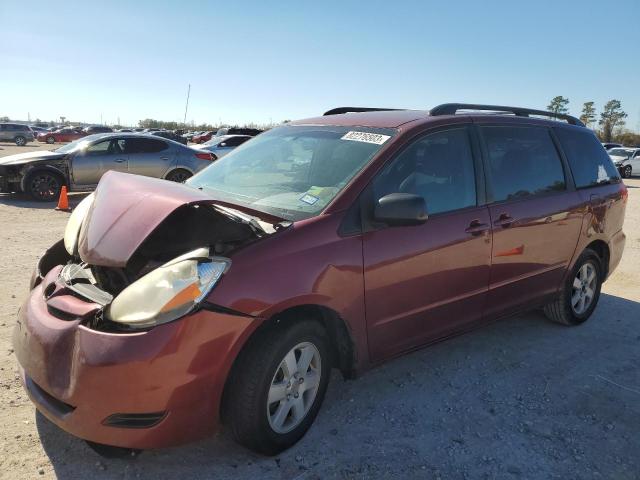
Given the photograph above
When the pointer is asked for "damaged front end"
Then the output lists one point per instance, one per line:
(141, 252)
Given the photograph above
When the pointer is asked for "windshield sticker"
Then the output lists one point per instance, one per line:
(310, 199)
(366, 137)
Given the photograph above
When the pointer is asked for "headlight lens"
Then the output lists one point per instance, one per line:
(75, 222)
(168, 292)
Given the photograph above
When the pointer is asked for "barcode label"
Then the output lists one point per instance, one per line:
(366, 137)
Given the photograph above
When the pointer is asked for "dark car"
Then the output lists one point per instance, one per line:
(170, 135)
(238, 131)
(16, 133)
(333, 242)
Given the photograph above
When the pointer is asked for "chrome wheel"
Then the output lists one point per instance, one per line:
(294, 387)
(584, 288)
(627, 171)
(21, 141)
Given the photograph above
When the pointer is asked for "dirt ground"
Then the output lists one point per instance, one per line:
(523, 398)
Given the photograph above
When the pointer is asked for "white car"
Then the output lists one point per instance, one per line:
(627, 160)
(220, 146)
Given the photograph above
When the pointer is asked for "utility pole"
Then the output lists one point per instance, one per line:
(186, 107)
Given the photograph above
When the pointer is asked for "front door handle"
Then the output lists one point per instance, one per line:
(120, 160)
(504, 220)
(476, 228)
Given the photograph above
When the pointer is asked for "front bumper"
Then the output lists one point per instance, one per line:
(78, 377)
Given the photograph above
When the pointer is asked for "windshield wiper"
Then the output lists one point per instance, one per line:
(241, 217)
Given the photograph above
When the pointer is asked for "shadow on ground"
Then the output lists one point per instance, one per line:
(522, 398)
(21, 200)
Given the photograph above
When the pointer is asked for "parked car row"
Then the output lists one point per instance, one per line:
(80, 165)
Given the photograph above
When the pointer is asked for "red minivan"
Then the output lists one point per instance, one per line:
(334, 242)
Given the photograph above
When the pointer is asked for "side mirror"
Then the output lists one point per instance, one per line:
(399, 209)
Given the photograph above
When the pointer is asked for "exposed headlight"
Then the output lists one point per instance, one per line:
(168, 292)
(75, 222)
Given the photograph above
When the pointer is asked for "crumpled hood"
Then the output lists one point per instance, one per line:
(28, 157)
(126, 209)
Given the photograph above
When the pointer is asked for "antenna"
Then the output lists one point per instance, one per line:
(186, 107)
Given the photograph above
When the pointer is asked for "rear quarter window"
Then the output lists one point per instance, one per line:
(588, 160)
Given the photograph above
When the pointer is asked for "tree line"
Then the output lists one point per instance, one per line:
(611, 121)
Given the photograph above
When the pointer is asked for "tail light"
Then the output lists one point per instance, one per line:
(206, 156)
(625, 193)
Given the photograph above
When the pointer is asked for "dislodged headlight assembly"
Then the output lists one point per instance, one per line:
(168, 292)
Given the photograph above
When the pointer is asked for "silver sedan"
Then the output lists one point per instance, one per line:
(80, 165)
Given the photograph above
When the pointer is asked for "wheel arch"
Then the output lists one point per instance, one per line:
(37, 168)
(602, 250)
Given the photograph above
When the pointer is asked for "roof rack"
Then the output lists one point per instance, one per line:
(452, 109)
(339, 110)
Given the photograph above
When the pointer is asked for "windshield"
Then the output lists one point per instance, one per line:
(292, 172)
(619, 152)
(78, 144)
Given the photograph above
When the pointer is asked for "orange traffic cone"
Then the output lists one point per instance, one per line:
(63, 201)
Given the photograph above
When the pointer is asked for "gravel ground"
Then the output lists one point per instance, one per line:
(523, 398)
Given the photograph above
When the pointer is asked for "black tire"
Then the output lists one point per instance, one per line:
(246, 409)
(20, 141)
(44, 185)
(626, 173)
(178, 175)
(51, 140)
(561, 310)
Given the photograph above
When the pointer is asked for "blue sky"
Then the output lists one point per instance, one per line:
(268, 61)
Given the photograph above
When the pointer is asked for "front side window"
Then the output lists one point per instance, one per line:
(522, 161)
(438, 167)
(589, 162)
(107, 147)
(292, 172)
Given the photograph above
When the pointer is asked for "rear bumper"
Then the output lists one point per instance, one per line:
(78, 377)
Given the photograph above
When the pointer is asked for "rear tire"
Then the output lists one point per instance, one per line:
(178, 175)
(20, 141)
(43, 185)
(51, 140)
(580, 293)
(277, 387)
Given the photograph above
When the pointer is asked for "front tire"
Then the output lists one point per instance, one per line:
(44, 186)
(51, 140)
(626, 173)
(580, 294)
(277, 387)
(178, 175)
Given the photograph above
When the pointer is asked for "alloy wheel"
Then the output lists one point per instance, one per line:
(294, 387)
(627, 171)
(584, 288)
(44, 186)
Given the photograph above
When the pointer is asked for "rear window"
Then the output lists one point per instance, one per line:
(523, 161)
(145, 145)
(589, 162)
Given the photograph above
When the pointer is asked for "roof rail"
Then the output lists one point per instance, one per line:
(452, 109)
(339, 110)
